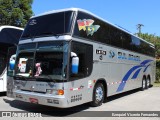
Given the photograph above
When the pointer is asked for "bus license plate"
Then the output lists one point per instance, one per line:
(33, 100)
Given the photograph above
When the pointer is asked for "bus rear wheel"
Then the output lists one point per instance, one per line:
(143, 84)
(148, 83)
(98, 95)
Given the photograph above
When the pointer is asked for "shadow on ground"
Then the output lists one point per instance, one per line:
(58, 112)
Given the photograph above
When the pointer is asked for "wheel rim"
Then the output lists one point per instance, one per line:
(148, 82)
(143, 85)
(99, 94)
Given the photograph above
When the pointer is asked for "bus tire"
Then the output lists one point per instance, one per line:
(148, 83)
(98, 95)
(143, 84)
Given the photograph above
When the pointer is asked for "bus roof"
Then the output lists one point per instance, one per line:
(85, 11)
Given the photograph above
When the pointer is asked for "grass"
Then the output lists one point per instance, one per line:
(156, 84)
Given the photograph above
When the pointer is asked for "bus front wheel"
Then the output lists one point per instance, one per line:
(98, 95)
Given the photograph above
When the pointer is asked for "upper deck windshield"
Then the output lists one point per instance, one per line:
(42, 61)
(49, 25)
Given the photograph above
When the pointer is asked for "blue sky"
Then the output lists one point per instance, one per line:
(125, 13)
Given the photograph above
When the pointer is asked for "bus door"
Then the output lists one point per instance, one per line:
(10, 70)
(80, 71)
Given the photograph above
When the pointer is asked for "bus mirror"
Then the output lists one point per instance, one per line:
(11, 65)
(12, 62)
(75, 63)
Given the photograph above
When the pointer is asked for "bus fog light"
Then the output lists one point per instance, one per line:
(60, 92)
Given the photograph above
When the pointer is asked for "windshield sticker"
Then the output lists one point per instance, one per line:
(33, 22)
(22, 65)
(38, 69)
(87, 25)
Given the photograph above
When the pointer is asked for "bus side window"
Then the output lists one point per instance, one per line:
(85, 55)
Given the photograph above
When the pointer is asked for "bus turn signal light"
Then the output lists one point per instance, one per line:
(60, 92)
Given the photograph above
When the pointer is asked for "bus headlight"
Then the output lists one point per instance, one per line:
(49, 91)
(56, 92)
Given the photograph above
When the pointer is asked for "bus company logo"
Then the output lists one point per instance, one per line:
(111, 54)
(87, 25)
(33, 22)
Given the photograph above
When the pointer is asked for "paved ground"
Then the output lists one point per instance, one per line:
(148, 100)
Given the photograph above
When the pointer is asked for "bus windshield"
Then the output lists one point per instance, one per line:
(3, 56)
(47, 61)
(49, 25)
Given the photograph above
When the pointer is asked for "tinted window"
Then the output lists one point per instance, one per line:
(47, 25)
(116, 39)
(127, 41)
(86, 27)
(24, 65)
(136, 44)
(92, 28)
(10, 36)
(51, 63)
(85, 59)
(3, 56)
(106, 33)
(29, 46)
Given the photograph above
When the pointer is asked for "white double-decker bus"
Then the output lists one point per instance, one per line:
(69, 57)
(9, 37)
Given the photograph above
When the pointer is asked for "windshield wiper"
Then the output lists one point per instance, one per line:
(47, 77)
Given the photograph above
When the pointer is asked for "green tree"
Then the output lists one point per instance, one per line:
(153, 39)
(156, 41)
(15, 12)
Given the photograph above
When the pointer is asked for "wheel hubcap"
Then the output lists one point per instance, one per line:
(148, 82)
(99, 94)
(143, 83)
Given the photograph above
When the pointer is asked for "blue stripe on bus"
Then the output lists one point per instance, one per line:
(136, 74)
(145, 62)
(128, 74)
(146, 68)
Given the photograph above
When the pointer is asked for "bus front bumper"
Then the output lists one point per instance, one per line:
(43, 99)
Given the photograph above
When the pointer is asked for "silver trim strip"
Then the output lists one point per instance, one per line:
(42, 39)
(7, 26)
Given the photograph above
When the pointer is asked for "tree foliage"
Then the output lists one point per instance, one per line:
(15, 12)
(153, 39)
(156, 41)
